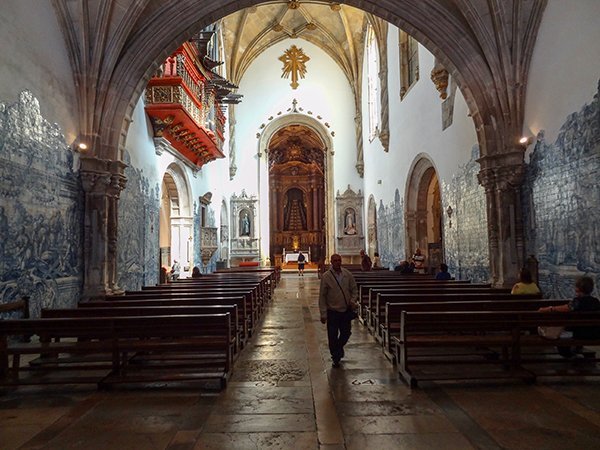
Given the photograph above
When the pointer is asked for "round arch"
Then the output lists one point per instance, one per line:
(458, 37)
(319, 129)
(423, 211)
(176, 219)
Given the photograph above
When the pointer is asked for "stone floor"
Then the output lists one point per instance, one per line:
(284, 394)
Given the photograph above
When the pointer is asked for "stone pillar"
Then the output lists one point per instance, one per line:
(117, 184)
(102, 182)
(501, 176)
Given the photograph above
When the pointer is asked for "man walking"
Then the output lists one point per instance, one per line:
(337, 302)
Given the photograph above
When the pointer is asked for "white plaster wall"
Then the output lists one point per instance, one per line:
(324, 92)
(565, 67)
(212, 177)
(415, 128)
(33, 57)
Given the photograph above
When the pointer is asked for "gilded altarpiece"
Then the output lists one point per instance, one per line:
(350, 231)
(296, 199)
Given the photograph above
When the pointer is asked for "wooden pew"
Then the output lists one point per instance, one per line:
(508, 331)
(243, 314)
(393, 312)
(464, 296)
(428, 287)
(108, 311)
(250, 310)
(143, 348)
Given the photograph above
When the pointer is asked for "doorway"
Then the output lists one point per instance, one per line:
(424, 213)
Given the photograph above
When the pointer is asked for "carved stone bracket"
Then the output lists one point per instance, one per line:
(439, 76)
(102, 181)
(162, 145)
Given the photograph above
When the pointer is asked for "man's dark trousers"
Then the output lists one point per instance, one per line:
(339, 329)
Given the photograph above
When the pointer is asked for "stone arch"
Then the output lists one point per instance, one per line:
(372, 226)
(319, 129)
(176, 219)
(458, 36)
(423, 211)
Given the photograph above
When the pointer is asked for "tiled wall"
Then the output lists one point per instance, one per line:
(390, 231)
(561, 199)
(40, 210)
(138, 263)
(466, 240)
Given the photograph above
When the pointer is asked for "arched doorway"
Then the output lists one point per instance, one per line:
(372, 227)
(176, 220)
(296, 163)
(424, 213)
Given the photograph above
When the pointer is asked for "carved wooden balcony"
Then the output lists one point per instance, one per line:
(180, 99)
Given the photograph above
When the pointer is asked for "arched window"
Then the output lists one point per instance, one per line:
(372, 54)
(409, 62)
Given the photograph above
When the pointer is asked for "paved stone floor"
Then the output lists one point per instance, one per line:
(285, 395)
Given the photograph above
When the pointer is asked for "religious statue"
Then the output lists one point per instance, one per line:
(245, 225)
(350, 222)
(294, 63)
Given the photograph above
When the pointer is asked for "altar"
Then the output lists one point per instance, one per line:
(293, 257)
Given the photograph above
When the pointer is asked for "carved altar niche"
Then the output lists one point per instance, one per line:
(350, 231)
(244, 227)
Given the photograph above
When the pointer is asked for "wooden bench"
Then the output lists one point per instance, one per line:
(367, 299)
(458, 337)
(143, 349)
(393, 312)
(378, 313)
(109, 311)
(250, 310)
(243, 314)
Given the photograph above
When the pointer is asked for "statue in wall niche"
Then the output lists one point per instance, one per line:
(350, 222)
(245, 225)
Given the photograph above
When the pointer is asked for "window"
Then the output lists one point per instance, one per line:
(373, 87)
(409, 62)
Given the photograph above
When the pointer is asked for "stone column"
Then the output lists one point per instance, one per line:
(117, 184)
(501, 176)
(102, 182)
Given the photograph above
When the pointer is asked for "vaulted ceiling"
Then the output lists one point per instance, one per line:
(337, 29)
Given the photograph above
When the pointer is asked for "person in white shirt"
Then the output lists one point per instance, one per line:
(338, 296)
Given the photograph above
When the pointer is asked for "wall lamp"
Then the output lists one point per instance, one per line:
(449, 211)
(525, 141)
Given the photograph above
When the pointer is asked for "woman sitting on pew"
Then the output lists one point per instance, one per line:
(526, 285)
(196, 272)
(443, 273)
(583, 301)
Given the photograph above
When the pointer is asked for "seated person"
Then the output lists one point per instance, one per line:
(405, 267)
(376, 261)
(443, 273)
(365, 261)
(196, 272)
(525, 284)
(583, 302)
(418, 261)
